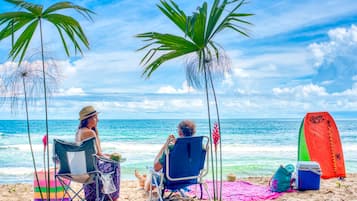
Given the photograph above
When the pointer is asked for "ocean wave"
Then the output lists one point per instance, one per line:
(23, 147)
(144, 147)
(16, 171)
(131, 147)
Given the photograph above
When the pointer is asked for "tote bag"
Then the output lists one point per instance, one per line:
(281, 180)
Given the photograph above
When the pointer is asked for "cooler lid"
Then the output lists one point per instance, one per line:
(308, 165)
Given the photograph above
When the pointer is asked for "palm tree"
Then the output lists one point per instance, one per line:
(199, 30)
(25, 80)
(32, 18)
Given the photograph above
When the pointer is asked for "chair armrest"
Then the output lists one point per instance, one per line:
(154, 175)
(105, 159)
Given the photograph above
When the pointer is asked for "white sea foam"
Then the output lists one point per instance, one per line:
(237, 148)
(229, 148)
(24, 147)
(16, 171)
(349, 148)
(131, 147)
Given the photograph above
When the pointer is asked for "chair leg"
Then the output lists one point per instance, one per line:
(206, 189)
(97, 188)
(159, 189)
(67, 188)
(201, 191)
(162, 192)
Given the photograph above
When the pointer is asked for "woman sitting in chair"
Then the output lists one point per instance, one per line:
(185, 128)
(87, 128)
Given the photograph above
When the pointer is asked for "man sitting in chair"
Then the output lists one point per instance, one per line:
(185, 128)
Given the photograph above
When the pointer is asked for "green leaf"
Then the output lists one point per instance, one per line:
(21, 44)
(68, 5)
(33, 8)
(13, 24)
(199, 30)
(174, 13)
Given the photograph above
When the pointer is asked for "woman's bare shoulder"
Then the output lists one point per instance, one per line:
(85, 133)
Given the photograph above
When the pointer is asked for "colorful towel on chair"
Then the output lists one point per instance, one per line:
(104, 167)
(239, 191)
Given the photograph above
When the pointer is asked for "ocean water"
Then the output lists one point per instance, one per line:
(251, 147)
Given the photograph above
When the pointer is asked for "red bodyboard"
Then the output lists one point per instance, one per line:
(324, 144)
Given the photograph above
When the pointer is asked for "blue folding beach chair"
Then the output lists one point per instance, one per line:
(185, 164)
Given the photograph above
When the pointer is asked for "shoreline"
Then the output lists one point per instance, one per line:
(330, 190)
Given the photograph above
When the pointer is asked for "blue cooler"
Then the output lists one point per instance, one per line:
(308, 175)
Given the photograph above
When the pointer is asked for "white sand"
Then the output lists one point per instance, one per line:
(330, 190)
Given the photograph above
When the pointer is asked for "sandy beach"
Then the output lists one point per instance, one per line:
(330, 190)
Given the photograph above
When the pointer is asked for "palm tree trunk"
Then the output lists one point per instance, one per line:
(203, 65)
(29, 138)
(220, 138)
(45, 94)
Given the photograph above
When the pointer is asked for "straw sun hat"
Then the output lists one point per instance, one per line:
(87, 112)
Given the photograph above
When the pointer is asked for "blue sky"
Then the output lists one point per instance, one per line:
(301, 57)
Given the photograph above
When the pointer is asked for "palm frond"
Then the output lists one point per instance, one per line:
(196, 26)
(172, 45)
(15, 21)
(68, 5)
(215, 15)
(174, 13)
(22, 42)
(168, 40)
(33, 8)
(68, 25)
(163, 58)
(230, 19)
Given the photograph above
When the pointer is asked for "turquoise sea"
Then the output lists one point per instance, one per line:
(251, 147)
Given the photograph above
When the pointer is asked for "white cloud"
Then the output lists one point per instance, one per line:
(116, 61)
(228, 81)
(71, 92)
(151, 105)
(247, 92)
(167, 90)
(288, 63)
(171, 90)
(342, 42)
(310, 90)
(344, 36)
(188, 104)
(335, 60)
(348, 92)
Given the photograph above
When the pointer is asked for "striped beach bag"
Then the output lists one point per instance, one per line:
(40, 187)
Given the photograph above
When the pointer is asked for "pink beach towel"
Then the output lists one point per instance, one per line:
(240, 191)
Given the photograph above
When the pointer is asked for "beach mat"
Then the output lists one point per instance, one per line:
(239, 190)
